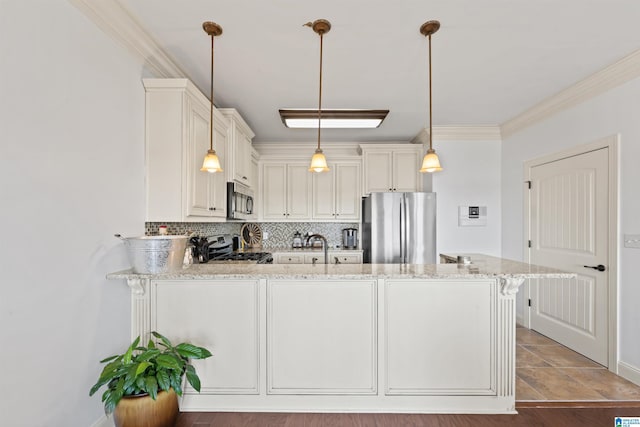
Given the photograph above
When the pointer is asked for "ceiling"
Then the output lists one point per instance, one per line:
(491, 59)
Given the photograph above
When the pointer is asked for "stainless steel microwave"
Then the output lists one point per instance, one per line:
(239, 201)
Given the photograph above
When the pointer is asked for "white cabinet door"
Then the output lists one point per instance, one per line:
(321, 337)
(243, 160)
(274, 191)
(323, 196)
(206, 192)
(218, 185)
(347, 191)
(377, 171)
(298, 192)
(198, 185)
(391, 167)
(406, 171)
(224, 317)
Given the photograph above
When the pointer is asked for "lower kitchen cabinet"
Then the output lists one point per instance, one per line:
(222, 316)
(287, 258)
(317, 257)
(321, 337)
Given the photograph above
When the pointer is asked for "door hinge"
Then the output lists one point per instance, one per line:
(528, 184)
(529, 302)
(529, 243)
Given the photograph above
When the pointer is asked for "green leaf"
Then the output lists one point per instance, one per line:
(152, 387)
(162, 338)
(128, 354)
(163, 380)
(176, 382)
(148, 355)
(110, 358)
(167, 361)
(142, 367)
(193, 378)
(191, 351)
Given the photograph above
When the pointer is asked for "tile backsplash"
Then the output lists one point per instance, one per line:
(279, 234)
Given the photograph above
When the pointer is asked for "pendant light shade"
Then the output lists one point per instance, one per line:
(319, 161)
(211, 162)
(430, 162)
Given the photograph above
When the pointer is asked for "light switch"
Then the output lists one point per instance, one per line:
(632, 241)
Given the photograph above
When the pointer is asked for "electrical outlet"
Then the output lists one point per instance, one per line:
(632, 241)
(265, 235)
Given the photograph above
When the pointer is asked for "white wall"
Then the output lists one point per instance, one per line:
(617, 111)
(470, 177)
(71, 174)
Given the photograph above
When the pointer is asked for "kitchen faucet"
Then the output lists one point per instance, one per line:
(325, 246)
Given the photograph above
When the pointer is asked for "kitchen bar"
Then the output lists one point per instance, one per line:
(430, 338)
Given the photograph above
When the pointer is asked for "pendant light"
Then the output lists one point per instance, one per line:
(211, 162)
(430, 162)
(318, 161)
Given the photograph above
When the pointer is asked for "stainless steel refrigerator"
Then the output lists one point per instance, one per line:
(399, 228)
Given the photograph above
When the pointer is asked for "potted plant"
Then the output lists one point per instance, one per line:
(145, 382)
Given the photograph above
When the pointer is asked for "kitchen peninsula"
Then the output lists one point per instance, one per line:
(437, 338)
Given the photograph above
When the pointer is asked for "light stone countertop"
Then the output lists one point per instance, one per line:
(481, 267)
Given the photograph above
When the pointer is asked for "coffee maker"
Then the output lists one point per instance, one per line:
(349, 238)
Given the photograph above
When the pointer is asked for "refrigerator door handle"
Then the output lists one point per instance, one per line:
(403, 231)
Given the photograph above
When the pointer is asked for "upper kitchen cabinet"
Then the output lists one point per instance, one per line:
(285, 191)
(176, 141)
(391, 167)
(336, 194)
(239, 158)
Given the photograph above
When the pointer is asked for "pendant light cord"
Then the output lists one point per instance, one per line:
(320, 92)
(430, 110)
(211, 109)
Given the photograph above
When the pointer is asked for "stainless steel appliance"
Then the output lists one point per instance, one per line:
(349, 238)
(239, 201)
(220, 249)
(399, 228)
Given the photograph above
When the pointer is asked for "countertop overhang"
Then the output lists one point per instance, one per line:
(481, 267)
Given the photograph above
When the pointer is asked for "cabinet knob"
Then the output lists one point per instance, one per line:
(394, 189)
(244, 177)
(210, 209)
(284, 214)
(391, 189)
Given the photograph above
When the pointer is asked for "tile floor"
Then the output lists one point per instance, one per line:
(548, 371)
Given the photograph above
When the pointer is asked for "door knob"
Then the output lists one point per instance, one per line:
(598, 267)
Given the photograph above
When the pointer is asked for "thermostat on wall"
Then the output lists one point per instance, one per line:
(472, 216)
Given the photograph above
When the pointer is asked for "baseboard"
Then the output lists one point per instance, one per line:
(629, 372)
(104, 421)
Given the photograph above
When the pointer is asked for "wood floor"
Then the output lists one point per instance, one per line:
(529, 417)
(555, 387)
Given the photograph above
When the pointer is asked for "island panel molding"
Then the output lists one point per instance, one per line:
(223, 316)
(322, 337)
(345, 337)
(430, 326)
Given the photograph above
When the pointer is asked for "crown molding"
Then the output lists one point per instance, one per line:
(459, 133)
(117, 22)
(620, 72)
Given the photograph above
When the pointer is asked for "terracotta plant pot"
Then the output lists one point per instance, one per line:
(143, 411)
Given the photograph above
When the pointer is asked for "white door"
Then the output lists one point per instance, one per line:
(569, 223)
